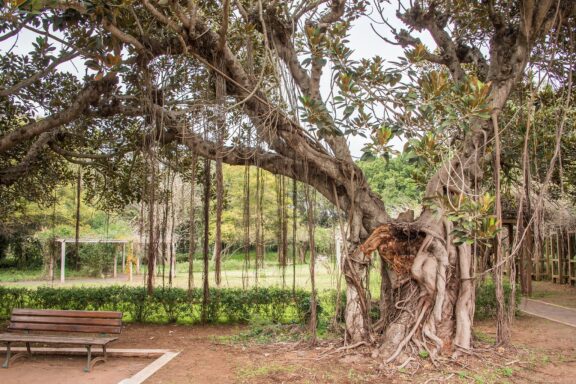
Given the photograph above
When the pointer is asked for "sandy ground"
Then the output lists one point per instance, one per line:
(543, 352)
(69, 370)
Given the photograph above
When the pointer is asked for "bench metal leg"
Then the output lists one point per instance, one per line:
(8, 354)
(92, 362)
(89, 348)
(10, 359)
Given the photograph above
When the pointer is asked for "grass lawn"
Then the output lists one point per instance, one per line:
(233, 275)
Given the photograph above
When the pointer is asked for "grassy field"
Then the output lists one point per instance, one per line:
(233, 275)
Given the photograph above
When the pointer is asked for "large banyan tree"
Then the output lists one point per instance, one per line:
(291, 95)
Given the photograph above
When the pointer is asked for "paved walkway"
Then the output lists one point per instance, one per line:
(553, 312)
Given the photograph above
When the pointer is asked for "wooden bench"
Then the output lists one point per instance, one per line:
(57, 321)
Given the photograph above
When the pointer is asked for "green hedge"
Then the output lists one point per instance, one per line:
(226, 305)
(486, 299)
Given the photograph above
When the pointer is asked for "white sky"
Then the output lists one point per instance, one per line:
(366, 43)
(363, 41)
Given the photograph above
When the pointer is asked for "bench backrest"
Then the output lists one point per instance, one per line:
(24, 319)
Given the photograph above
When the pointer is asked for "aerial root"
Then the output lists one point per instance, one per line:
(410, 334)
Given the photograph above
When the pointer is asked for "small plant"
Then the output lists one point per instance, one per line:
(424, 354)
(479, 379)
(263, 371)
(506, 371)
(483, 337)
(463, 375)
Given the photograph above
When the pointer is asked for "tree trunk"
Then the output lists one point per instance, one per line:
(310, 202)
(172, 256)
(164, 229)
(192, 226)
(294, 225)
(502, 320)
(356, 315)
(77, 224)
(428, 301)
(259, 262)
(246, 226)
(151, 227)
(220, 129)
(206, 251)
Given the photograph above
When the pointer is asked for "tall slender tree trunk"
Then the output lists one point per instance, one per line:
(311, 221)
(294, 226)
(141, 227)
(502, 320)
(77, 224)
(526, 253)
(282, 226)
(172, 258)
(206, 248)
(220, 131)
(192, 225)
(151, 224)
(164, 226)
(246, 226)
(259, 259)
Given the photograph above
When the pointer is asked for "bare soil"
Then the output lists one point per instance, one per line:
(543, 352)
(69, 370)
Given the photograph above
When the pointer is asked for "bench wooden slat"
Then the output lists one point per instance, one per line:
(64, 328)
(67, 313)
(65, 320)
(15, 337)
(25, 319)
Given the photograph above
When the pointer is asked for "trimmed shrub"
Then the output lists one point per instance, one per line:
(166, 305)
(486, 299)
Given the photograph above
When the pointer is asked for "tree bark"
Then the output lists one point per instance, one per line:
(151, 223)
(192, 225)
(206, 250)
(77, 219)
(220, 90)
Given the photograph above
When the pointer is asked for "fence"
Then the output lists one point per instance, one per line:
(558, 258)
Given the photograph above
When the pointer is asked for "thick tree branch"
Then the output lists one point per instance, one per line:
(94, 156)
(435, 23)
(12, 174)
(37, 76)
(90, 94)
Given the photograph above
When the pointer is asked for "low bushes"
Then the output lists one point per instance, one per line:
(226, 305)
(486, 299)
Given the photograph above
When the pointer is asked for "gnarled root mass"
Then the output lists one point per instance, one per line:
(427, 298)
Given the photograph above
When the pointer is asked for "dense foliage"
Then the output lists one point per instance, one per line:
(395, 180)
(166, 305)
(226, 305)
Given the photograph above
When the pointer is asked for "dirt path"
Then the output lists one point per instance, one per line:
(202, 359)
(554, 312)
(59, 369)
(545, 352)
